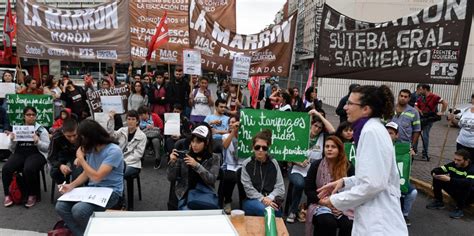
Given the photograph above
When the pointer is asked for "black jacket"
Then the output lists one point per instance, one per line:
(460, 177)
(61, 151)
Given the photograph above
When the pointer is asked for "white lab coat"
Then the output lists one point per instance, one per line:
(374, 191)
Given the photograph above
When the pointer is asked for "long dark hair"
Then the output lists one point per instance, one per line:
(307, 93)
(142, 90)
(343, 126)
(91, 134)
(208, 141)
(379, 99)
(49, 81)
(341, 164)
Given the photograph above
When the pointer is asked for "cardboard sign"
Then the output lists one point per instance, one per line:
(112, 103)
(403, 159)
(192, 62)
(94, 97)
(24, 132)
(172, 124)
(241, 69)
(290, 133)
(7, 88)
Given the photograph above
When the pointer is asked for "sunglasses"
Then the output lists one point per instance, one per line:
(258, 147)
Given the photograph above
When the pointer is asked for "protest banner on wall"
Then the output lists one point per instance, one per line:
(290, 133)
(270, 49)
(92, 34)
(403, 159)
(241, 69)
(192, 62)
(43, 104)
(145, 14)
(428, 46)
(94, 97)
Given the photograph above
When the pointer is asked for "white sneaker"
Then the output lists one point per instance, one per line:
(227, 208)
(291, 218)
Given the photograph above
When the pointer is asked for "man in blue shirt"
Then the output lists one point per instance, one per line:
(219, 123)
(407, 118)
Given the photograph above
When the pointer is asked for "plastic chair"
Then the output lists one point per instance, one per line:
(130, 188)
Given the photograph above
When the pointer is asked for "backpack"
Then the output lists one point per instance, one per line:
(15, 192)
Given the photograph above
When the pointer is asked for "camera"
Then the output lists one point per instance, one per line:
(182, 153)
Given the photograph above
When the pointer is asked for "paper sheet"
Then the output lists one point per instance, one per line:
(110, 103)
(95, 195)
(7, 88)
(172, 124)
(4, 141)
(102, 118)
(24, 132)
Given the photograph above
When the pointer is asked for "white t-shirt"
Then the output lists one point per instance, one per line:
(201, 105)
(466, 134)
(314, 153)
(231, 161)
(286, 107)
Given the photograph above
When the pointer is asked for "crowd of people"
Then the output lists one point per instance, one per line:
(342, 197)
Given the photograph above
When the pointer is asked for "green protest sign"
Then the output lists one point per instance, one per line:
(43, 104)
(403, 159)
(290, 133)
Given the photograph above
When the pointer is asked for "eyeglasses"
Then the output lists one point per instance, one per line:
(349, 103)
(258, 147)
(30, 114)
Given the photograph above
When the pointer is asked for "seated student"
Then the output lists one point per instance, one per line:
(457, 179)
(408, 198)
(231, 163)
(102, 161)
(196, 167)
(132, 141)
(4, 126)
(262, 179)
(152, 125)
(333, 166)
(345, 132)
(29, 157)
(62, 153)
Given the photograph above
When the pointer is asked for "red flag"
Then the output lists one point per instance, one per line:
(254, 88)
(160, 37)
(310, 80)
(8, 32)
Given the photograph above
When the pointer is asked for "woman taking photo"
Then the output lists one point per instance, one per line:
(138, 96)
(28, 157)
(333, 166)
(194, 168)
(262, 179)
(102, 162)
(374, 191)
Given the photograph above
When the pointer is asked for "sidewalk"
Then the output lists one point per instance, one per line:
(12, 232)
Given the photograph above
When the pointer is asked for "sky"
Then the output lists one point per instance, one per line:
(254, 15)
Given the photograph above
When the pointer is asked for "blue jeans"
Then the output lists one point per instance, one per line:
(425, 136)
(76, 214)
(408, 200)
(298, 182)
(254, 207)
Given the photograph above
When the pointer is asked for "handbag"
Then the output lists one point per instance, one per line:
(152, 132)
(202, 198)
(60, 229)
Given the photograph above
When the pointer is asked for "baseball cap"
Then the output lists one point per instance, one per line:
(392, 125)
(201, 131)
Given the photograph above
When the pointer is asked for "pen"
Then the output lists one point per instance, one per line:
(61, 186)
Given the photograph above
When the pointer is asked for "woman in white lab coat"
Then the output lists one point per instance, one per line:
(374, 191)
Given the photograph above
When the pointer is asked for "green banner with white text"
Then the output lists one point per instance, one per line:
(43, 104)
(403, 158)
(290, 133)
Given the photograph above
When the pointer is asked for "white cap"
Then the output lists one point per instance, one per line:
(392, 125)
(201, 131)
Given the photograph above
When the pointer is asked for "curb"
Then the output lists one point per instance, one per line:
(426, 189)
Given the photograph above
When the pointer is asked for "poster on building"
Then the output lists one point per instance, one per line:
(42, 103)
(145, 14)
(241, 69)
(290, 133)
(192, 62)
(270, 49)
(428, 46)
(95, 97)
(93, 34)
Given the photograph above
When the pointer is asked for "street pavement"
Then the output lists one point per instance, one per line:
(155, 188)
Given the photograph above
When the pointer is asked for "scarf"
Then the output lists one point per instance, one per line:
(323, 176)
(357, 127)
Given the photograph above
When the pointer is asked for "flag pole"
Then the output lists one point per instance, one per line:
(441, 157)
(40, 74)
